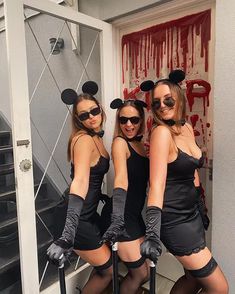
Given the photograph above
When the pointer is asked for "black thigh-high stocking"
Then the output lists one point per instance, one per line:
(98, 281)
(186, 285)
(138, 274)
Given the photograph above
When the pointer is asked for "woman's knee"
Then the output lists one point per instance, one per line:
(106, 269)
(138, 269)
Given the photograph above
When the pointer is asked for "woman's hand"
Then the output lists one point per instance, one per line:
(151, 247)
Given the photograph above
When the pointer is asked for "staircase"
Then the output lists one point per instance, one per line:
(47, 199)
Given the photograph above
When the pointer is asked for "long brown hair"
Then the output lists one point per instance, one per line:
(117, 129)
(77, 125)
(179, 96)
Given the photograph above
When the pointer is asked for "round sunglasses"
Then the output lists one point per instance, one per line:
(168, 101)
(133, 119)
(85, 115)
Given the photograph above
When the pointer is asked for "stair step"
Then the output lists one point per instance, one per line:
(9, 255)
(5, 134)
(9, 193)
(6, 169)
(41, 207)
(6, 149)
(4, 137)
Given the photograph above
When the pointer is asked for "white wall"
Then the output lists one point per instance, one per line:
(109, 9)
(223, 232)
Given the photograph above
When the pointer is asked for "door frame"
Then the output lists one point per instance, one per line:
(140, 20)
(20, 116)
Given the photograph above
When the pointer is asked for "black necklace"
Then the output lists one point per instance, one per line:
(137, 138)
(171, 122)
(93, 133)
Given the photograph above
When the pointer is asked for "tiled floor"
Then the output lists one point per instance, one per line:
(163, 285)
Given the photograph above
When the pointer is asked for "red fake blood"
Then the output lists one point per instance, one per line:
(149, 123)
(203, 131)
(132, 94)
(202, 91)
(194, 118)
(196, 133)
(155, 41)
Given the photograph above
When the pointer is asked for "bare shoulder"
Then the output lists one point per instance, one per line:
(119, 142)
(119, 145)
(161, 132)
(81, 141)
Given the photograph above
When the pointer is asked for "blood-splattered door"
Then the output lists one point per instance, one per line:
(175, 37)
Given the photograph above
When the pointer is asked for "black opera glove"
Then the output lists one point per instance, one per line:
(117, 227)
(151, 247)
(202, 208)
(64, 244)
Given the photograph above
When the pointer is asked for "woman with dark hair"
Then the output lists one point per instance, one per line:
(89, 163)
(131, 177)
(175, 211)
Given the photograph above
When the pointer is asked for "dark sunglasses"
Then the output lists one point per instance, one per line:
(133, 119)
(168, 101)
(85, 115)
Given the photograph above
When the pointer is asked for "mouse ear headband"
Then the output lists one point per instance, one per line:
(117, 103)
(69, 96)
(176, 76)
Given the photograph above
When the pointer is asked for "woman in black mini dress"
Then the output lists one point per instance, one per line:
(131, 177)
(174, 211)
(89, 163)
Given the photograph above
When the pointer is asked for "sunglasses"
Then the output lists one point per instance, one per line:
(133, 119)
(168, 101)
(85, 115)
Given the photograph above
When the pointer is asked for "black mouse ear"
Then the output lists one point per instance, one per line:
(116, 103)
(177, 76)
(90, 87)
(140, 103)
(146, 86)
(69, 96)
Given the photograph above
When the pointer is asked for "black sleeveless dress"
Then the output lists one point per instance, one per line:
(182, 230)
(138, 176)
(89, 232)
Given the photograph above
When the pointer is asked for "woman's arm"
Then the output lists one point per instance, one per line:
(117, 227)
(82, 151)
(160, 143)
(119, 155)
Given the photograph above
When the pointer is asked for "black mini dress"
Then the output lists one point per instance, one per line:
(138, 176)
(182, 230)
(89, 230)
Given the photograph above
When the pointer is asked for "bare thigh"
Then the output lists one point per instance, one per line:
(130, 251)
(95, 257)
(195, 261)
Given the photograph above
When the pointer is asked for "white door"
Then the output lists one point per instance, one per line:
(39, 121)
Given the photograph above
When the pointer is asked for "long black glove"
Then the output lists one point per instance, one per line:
(151, 247)
(202, 208)
(64, 245)
(117, 227)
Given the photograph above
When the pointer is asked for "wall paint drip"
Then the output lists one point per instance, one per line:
(175, 39)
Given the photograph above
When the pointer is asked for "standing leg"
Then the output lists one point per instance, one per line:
(186, 285)
(205, 271)
(138, 269)
(101, 259)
